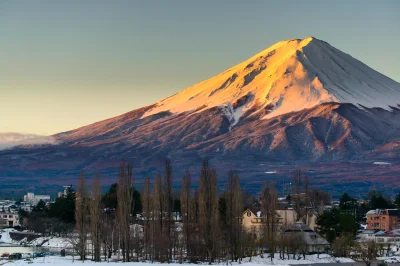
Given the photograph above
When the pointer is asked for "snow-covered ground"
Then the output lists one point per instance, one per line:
(310, 259)
(49, 242)
(5, 236)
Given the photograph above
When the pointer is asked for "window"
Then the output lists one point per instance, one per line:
(380, 239)
(383, 224)
(4, 216)
(248, 213)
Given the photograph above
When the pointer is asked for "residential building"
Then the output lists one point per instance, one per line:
(385, 220)
(388, 237)
(8, 219)
(313, 242)
(253, 220)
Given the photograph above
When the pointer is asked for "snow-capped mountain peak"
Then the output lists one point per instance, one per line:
(289, 76)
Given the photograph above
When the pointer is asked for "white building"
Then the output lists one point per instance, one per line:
(64, 193)
(8, 219)
(26, 206)
(33, 199)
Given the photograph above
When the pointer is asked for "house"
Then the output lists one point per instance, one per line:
(253, 220)
(8, 219)
(313, 242)
(365, 235)
(383, 219)
(388, 237)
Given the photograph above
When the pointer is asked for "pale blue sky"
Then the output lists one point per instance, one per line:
(65, 64)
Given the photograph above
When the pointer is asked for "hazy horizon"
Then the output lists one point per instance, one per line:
(69, 64)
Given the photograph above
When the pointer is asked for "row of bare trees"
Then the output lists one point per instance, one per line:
(97, 229)
(207, 226)
(210, 225)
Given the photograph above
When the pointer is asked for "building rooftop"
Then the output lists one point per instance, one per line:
(390, 212)
(392, 233)
(308, 235)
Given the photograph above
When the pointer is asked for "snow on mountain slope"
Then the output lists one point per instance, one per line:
(288, 76)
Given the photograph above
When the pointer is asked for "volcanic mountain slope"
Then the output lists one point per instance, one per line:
(288, 76)
(299, 101)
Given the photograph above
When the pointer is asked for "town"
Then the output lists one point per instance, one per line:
(209, 224)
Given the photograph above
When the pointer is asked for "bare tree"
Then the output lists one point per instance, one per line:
(108, 233)
(306, 201)
(137, 242)
(186, 210)
(368, 251)
(168, 202)
(157, 219)
(269, 200)
(208, 209)
(296, 197)
(81, 218)
(95, 217)
(147, 215)
(342, 245)
(234, 211)
(124, 208)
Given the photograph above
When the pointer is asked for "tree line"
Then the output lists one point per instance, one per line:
(143, 225)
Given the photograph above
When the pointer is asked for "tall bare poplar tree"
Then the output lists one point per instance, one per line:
(158, 218)
(186, 210)
(147, 215)
(124, 207)
(81, 217)
(95, 217)
(269, 199)
(306, 197)
(296, 198)
(234, 209)
(208, 209)
(168, 201)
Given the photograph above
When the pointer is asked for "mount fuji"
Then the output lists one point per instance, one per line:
(299, 103)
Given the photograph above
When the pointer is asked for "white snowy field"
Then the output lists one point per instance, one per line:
(64, 261)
